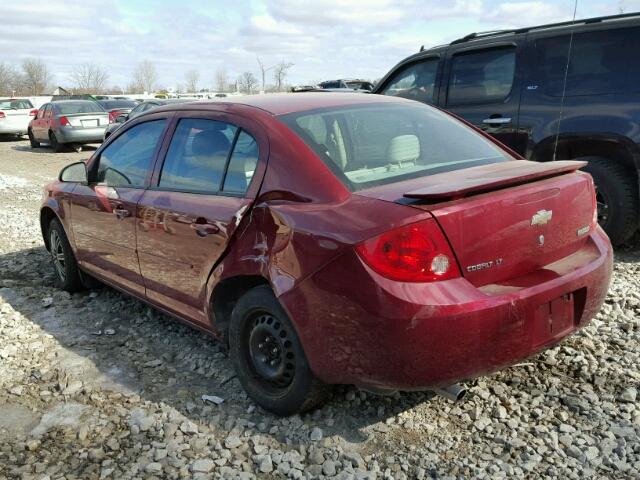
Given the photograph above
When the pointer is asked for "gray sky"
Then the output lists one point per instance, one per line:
(323, 38)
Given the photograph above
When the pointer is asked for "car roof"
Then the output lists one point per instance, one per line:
(283, 103)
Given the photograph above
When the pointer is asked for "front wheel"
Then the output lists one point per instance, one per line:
(67, 274)
(268, 356)
(617, 197)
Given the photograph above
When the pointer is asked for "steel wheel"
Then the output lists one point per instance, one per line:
(603, 208)
(271, 354)
(57, 255)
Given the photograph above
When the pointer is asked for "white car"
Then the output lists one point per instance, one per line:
(15, 115)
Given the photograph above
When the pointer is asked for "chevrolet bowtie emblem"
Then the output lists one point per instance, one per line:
(541, 217)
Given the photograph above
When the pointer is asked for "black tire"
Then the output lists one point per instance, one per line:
(67, 274)
(617, 194)
(286, 387)
(32, 140)
(55, 145)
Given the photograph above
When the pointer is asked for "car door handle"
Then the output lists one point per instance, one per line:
(121, 213)
(497, 121)
(203, 228)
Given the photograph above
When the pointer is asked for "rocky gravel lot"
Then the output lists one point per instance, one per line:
(97, 385)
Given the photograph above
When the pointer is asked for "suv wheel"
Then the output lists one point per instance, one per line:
(32, 140)
(617, 196)
(268, 356)
(67, 274)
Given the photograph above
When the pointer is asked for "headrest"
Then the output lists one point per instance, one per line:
(403, 148)
(210, 142)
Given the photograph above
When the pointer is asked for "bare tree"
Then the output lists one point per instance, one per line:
(280, 73)
(36, 76)
(90, 78)
(247, 82)
(222, 80)
(263, 71)
(10, 80)
(191, 78)
(145, 78)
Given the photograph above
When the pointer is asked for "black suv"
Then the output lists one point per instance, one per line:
(519, 86)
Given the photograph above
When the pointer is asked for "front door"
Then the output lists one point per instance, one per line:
(103, 212)
(482, 86)
(187, 219)
(38, 127)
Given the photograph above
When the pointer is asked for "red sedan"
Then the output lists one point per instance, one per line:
(335, 238)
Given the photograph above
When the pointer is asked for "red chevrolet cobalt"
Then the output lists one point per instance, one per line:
(335, 238)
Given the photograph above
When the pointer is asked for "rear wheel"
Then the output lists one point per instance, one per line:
(32, 140)
(617, 197)
(67, 274)
(268, 356)
(53, 141)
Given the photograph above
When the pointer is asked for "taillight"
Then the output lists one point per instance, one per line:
(63, 121)
(2, 115)
(33, 113)
(417, 252)
(112, 115)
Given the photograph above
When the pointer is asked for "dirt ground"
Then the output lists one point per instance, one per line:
(98, 385)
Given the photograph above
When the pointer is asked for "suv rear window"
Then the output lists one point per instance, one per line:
(599, 63)
(481, 76)
(372, 145)
(15, 104)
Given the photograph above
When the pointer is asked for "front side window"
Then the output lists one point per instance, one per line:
(126, 161)
(481, 76)
(197, 156)
(416, 82)
(372, 145)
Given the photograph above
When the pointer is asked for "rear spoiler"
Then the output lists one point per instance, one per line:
(489, 177)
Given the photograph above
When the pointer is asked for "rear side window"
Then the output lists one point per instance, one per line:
(416, 82)
(374, 145)
(126, 161)
(197, 156)
(599, 63)
(481, 76)
(242, 164)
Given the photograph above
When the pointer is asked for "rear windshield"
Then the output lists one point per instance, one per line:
(109, 104)
(15, 104)
(372, 145)
(80, 106)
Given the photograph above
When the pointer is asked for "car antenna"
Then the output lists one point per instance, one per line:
(564, 84)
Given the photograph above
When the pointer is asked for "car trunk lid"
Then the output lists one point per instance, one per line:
(88, 120)
(507, 219)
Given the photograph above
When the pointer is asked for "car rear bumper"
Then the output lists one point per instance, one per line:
(80, 135)
(360, 328)
(13, 130)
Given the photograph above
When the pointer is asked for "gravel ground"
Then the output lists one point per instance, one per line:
(98, 385)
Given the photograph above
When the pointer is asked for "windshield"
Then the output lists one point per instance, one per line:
(80, 106)
(372, 145)
(15, 104)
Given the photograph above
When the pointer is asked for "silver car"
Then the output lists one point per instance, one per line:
(74, 122)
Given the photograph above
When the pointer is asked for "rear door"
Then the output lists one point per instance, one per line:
(199, 194)
(104, 212)
(482, 85)
(39, 124)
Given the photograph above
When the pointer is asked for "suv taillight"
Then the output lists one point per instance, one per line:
(33, 113)
(64, 121)
(417, 252)
(2, 115)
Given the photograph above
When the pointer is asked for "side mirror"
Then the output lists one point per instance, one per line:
(122, 118)
(76, 172)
